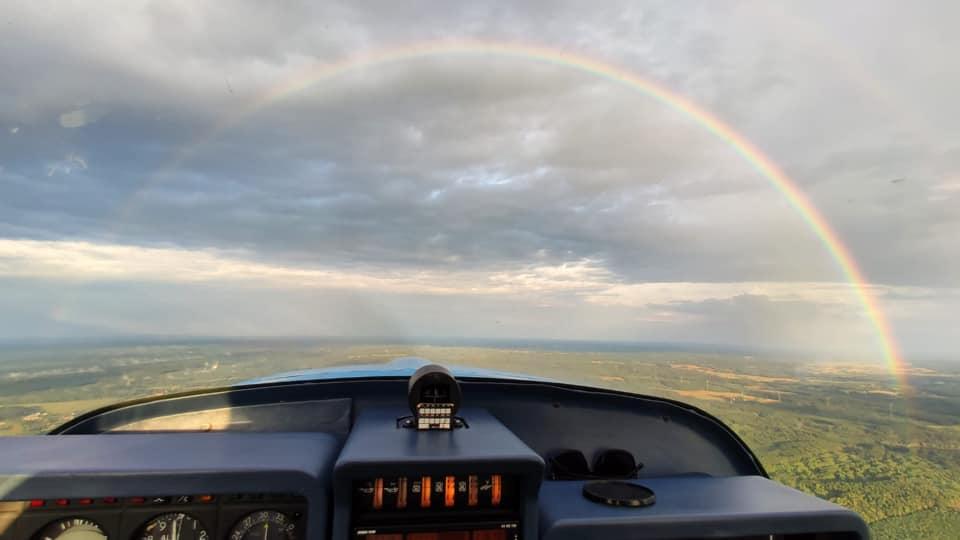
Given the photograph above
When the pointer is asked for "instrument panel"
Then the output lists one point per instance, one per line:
(242, 516)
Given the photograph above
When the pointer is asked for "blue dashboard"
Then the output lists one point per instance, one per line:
(311, 458)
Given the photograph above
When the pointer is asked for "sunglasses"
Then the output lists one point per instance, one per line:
(609, 464)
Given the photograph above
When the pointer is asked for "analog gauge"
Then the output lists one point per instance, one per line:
(72, 529)
(174, 526)
(264, 525)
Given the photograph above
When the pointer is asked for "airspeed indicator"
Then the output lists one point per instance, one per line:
(71, 529)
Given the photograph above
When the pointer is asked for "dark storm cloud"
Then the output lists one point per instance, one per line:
(484, 162)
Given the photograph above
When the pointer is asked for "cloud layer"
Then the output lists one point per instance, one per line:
(453, 191)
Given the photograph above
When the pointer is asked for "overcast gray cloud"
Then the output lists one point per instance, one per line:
(143, 190)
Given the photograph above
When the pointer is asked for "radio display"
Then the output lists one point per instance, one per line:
(485, 531)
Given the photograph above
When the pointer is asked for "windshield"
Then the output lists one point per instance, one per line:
(746, 206)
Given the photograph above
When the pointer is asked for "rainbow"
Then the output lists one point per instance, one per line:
(748, 151)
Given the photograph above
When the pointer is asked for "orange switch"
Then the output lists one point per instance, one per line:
(473, 490)
(402, 493)
(425, 492)
(378, 494)
(496, 493)
(449, 491)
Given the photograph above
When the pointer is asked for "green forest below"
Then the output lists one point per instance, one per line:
(887, 447)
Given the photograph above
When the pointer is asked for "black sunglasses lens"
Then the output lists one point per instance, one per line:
(615, 463)
(569, 465)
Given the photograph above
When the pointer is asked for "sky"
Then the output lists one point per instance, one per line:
(148, 187)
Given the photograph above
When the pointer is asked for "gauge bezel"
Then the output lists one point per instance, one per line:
(235, 531)
(205, 534)
(39, 534)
